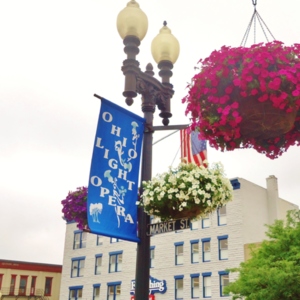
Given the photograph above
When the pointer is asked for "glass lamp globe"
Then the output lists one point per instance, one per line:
(132, 21)
(165, 46)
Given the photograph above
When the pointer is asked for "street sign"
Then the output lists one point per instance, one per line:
(168, 226)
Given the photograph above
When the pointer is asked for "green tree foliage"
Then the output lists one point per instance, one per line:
(273, 272)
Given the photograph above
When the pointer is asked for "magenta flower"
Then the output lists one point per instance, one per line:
(263, 75)
(75, 207)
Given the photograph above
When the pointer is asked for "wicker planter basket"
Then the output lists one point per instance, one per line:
(167, 212)
(261, 120)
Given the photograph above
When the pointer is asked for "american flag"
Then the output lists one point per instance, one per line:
(193, 150)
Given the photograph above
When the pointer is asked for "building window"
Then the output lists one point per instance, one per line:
(223, 247)
(178, 287)
(79, 239)
(195, 285)
(12, 284)
(75, 292)
(194, 251)
(194, 225)
(1, 278)
(114, 290)
(96, 291)
(115, 261)
(98, 264)
(152, 254)
(178, 253)
(206, 285)
(77, 266)
(99, 240)
(222, 217)
(48, 286)
(205, 221)
(32, 285)
(115, 240)
(224, 281)
(206, 250)
(23, 284)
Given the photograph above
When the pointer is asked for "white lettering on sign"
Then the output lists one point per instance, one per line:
(120, 159)
(162, 227)
(155, 286)
(168, 226)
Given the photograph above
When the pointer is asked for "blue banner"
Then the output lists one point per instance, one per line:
(114, 174)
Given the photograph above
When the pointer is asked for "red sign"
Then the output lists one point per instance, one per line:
(151, 297)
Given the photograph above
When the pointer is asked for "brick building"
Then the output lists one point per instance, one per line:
(187, 264)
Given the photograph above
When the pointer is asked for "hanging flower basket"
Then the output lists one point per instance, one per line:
(188, 191)
(248, 98)
(75, 207)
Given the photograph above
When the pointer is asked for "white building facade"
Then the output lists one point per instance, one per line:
(186, 264)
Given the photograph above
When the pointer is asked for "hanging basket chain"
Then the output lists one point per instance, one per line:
(261, 21)
(262, 24)
(245, 37)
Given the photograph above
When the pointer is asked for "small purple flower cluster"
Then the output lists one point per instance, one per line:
(75, 207)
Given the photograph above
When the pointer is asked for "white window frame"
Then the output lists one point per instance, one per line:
(206, 222)
(77, 267)
(77, 290)
(223, 247)
(96, 291)
(222, 216)
(113, 290)
(115, 266)
(98, 264)
(179, 253)
(79, 239)
(194, 225)
(206, 250)
(178, 287)
(115, 240)
(206, 285)
(99, 240)
(152, 256)
(224, 281)
(195, 286)
(194, 251)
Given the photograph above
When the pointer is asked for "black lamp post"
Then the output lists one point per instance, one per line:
(132, 24)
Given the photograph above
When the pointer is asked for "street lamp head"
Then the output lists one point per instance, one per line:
(132, 21)
(132, 25)
(165, 46)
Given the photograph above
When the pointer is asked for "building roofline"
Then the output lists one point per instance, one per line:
(30, 266)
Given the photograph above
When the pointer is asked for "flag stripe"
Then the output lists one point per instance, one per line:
(190, 143)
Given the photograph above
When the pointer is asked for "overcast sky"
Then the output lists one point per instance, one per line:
(55, 54)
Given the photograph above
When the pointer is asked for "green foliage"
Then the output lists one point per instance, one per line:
(273, 272)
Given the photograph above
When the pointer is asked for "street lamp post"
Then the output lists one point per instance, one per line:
(132, 24)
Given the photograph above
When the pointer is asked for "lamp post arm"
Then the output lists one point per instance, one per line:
(144, 83)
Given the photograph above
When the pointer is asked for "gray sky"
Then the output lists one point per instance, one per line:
(55, 54)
